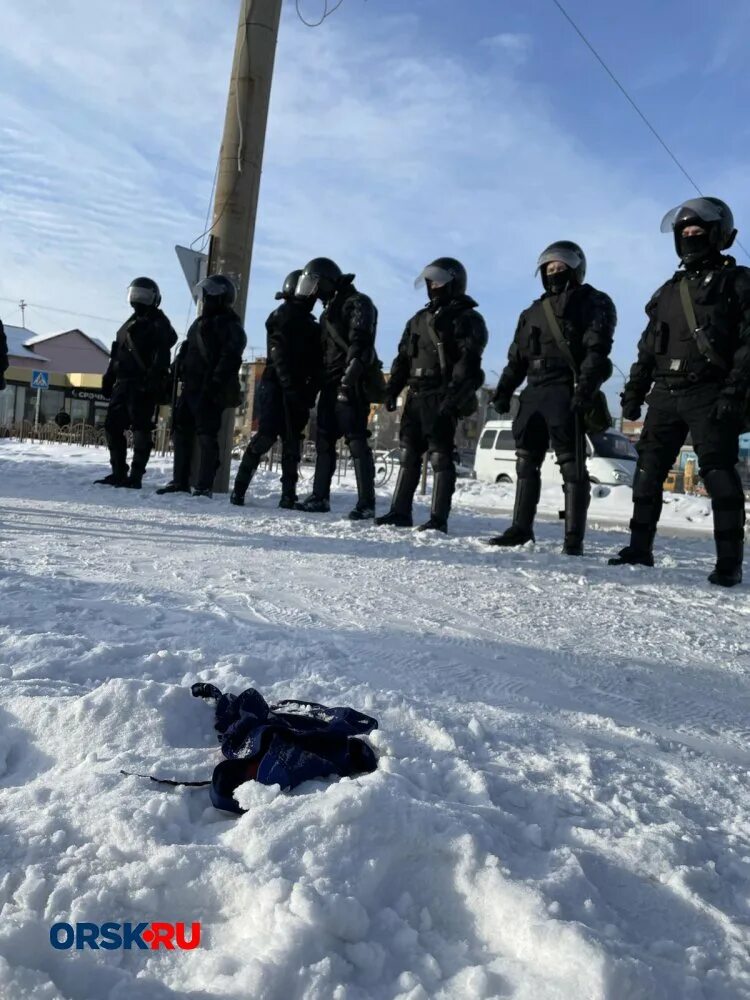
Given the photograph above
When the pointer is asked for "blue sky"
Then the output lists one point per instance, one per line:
(398, 132)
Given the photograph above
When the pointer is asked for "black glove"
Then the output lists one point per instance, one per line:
(108, 384)
(345, 394)
(631, 408)
(501, 402)
(727, 409)
(391, 403)
(581, 402)
(448, 409)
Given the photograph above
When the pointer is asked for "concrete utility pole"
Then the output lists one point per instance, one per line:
(240, 159)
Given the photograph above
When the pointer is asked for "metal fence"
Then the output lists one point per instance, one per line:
(87, 435)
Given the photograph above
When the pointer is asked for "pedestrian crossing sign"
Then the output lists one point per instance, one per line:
(39, 380)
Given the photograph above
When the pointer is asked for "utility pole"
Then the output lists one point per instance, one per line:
(240, 159)
(22, 307)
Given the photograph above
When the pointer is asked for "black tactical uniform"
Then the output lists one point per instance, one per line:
(439, 358)
(555, 399)
(348, 325)
(3, 355)
(693, 370)
(208, 363)
(286, 392)
(135, 382)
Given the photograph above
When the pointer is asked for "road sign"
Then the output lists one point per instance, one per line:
(39, 380)
(194, 265)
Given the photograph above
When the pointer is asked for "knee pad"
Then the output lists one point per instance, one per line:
(410, 458)
(725, 489)
(528, 465)
(648, 481)
(569, 470)
(358, 447)
(441, 461)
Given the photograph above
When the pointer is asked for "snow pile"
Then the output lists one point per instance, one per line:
(561, 806)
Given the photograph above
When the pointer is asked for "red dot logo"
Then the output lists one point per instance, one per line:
(148, 936)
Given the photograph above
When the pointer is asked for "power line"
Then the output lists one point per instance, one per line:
(64, 312)
(326, 13)
(632, 103)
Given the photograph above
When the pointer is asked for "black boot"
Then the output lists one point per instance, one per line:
(400, 514)
(248, 467)
(646, 513)
(520, 532)
(207, 465)
(291, 452)
(577, 497)
(142, 445)
(728, 505)
(314, 505)
(119, 478)
(183, 456)
(364, 472)
(443, 485)
(134, 480)
(288, 502)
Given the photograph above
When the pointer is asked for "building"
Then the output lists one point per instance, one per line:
(74, 363)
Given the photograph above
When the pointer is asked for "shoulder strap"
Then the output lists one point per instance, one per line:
(439, 345)
(336, 336)
(703, 343)
(201, 346)
(554, 329)
(134, 351)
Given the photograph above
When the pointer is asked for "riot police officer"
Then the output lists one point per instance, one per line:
(207, 365)
(439, 358)
(135, 382)
(348, 325)
(561, 347)
(286, 392)
(693, 370)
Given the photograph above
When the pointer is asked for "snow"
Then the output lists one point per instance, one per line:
(561, 804)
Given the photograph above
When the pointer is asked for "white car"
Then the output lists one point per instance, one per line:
(611, 458)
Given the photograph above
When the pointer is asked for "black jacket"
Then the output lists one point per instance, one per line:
(209, 359)
(672, 358)
(3, 349)
(294, 349)
(348, 325)
(462, 333)
(141, 351)
(587, 318)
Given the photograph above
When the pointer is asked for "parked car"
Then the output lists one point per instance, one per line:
(611, 458)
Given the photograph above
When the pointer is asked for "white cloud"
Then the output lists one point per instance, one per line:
(381, 152)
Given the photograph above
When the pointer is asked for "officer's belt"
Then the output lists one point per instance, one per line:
(547, 364)
(418, 373)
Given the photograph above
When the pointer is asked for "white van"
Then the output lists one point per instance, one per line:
(611, 458)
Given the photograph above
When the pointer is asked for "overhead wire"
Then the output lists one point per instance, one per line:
(589, 45)
(326, 13)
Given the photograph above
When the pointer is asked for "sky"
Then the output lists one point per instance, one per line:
(398, 132)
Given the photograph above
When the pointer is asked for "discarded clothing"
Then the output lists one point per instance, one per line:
(283, 744)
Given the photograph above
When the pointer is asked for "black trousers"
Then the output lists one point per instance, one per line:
(130, 408)
(544, 417)
(426, 428)
(196, 417)
(670, 417)
(337, 419)
(276, 418)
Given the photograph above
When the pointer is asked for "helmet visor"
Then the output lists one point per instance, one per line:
(307, 286)
(211, 286)
(695, 208)
(138, 296)
(437, 276)
(570, 258)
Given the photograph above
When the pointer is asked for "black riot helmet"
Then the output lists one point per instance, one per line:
(570, 254)
(143, 292)
(445, 278)
(217, 291)
(320, 279)
(713, 215)
(289, 288)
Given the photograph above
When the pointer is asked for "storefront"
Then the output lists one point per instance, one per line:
(78, 395)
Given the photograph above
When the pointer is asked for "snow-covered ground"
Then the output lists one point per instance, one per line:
(561, 806)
